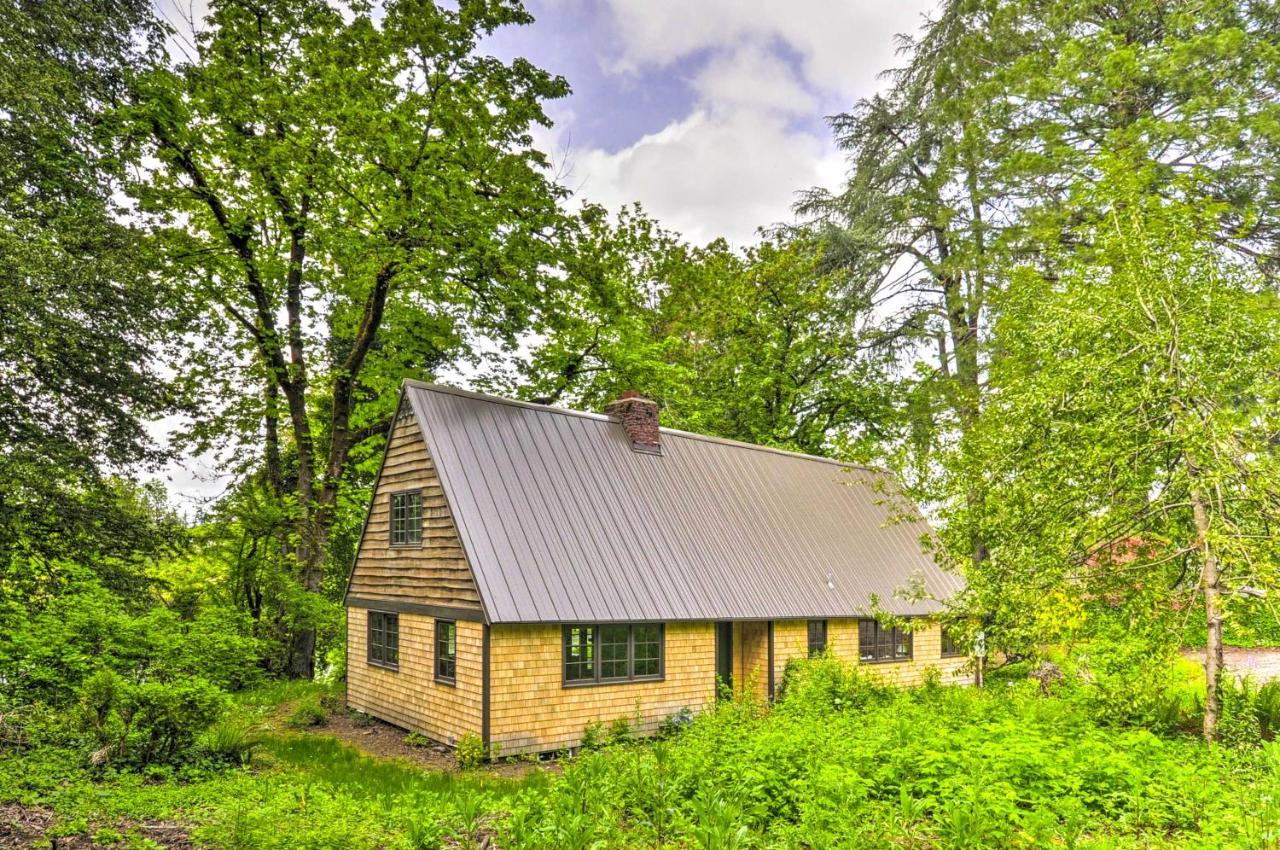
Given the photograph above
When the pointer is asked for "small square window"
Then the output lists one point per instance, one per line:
(446, 651)
(384, 639)
(406, 518)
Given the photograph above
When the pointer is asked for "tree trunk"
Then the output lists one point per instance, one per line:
(1209, 584)
(313, 536)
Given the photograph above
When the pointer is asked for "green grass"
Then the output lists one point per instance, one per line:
(839, 763)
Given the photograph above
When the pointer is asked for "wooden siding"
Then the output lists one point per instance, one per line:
(435, 573)
(531, 710)
(410, 697)
(791, 640)
(751, 658)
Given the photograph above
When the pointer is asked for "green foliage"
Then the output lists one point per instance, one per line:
(45, 656)
(417, 739)
(306, 714)
(470, 751)
(593, 736)
(620, 731)
(147, 723)
(231, 740)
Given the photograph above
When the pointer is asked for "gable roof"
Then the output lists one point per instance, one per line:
(562, 521)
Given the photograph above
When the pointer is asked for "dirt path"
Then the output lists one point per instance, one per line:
(1261, 664)
(383, 740)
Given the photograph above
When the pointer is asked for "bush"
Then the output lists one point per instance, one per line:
(417, 739)
(470, 751)
(307, 714)
(620, 731)
(593, 736)
(821, 685)
(230, 740)
(152, 723)
(1267, 708)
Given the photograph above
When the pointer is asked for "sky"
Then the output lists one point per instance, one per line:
(710, 113)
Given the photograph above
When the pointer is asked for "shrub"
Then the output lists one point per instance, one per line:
(620, 731)
(307, 714)
(1267, 708)
(819, 686)
(470, 751)
(230, 740)
(417, 739)
(593, 736)
(146, 724)
(676, 722)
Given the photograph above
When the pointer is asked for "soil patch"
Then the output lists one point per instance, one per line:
(23, 826)
(383, 740)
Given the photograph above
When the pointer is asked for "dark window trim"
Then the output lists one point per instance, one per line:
(631, 676)
(391, 518)
(443, 678)
(826, 637)
(956, 650)
(369, 619)
(892, 659)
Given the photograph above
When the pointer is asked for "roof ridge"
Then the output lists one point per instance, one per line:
(600, 417)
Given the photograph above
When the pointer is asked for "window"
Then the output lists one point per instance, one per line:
(613, 652)
(446, 651)
(950, 648)
(384, 639)
(406, 518)
(817, 637)
(876, 643)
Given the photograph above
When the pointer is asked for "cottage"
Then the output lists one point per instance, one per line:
(526, 570)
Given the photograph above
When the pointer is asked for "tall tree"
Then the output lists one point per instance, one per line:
(81, 317)
(1128, 440)
(351, 200)
(968, 165)
(758, 345)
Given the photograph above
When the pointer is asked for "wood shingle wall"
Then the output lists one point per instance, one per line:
(410, 697)
(531, 711)
(791, 640)
(434, 573)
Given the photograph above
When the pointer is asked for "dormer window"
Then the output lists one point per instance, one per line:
(406, 518)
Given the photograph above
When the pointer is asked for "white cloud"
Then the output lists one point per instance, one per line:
(751, 140)
(842, 45)
(718, 172)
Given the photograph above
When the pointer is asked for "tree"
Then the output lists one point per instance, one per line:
(757, 345)
(1128, 441)
(347, 201)
(82, 319)
(970, 163)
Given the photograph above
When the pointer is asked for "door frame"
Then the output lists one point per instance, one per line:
(724, 657)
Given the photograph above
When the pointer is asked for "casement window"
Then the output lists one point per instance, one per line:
(384, 639)
(817, 637)
(950, 648)
(612, 652)
(406, 518)
(446, 651)
(876, 643)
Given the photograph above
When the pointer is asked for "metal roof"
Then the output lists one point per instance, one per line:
(562, 521)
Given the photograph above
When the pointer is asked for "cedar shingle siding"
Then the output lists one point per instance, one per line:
(523, 520)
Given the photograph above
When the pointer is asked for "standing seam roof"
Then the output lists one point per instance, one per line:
(562, 521)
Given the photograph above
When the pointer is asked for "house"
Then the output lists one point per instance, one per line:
(526, 570)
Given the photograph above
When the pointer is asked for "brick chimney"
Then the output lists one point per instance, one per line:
(639, 418)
